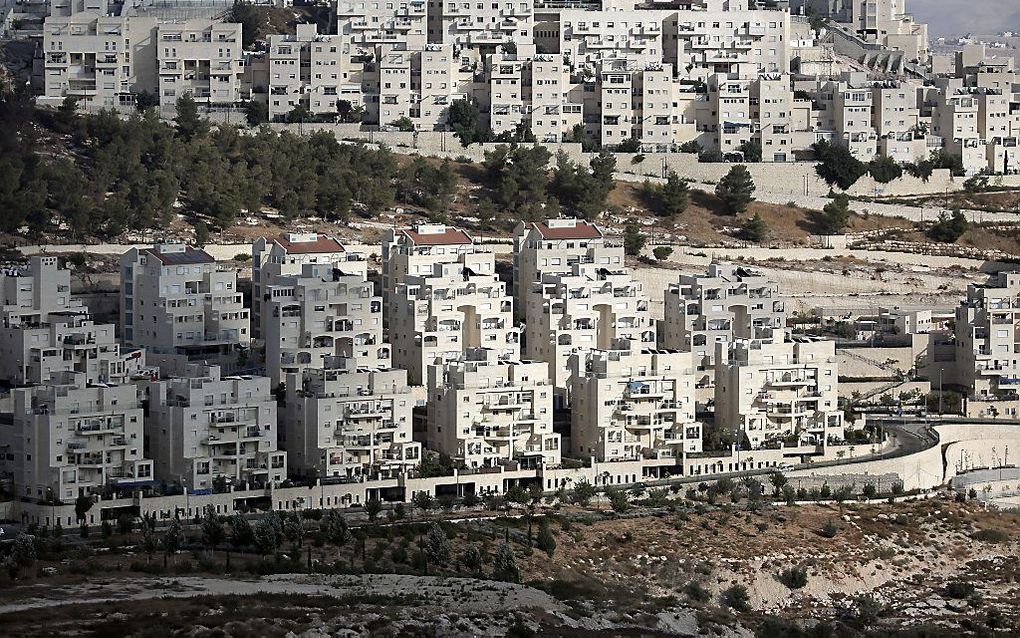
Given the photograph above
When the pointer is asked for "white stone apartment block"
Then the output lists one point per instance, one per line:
(200, 57)
(101, 61)
(306, 69)
(988, 338)
(772, 111)
(413, 251)
(459, 306)
(592, 307)
(318, 314)
(178, 304)
(554, 246)
(45, 331)
(633, 405)
(286, 254)
(70, 438)
(436, 83)
(553, 112)
(203, 428)
(350, 422)
(728, 302)
(367, 23)
(955, 120)
(478, 27)
(487, 411)
(587, 37)
(776, 391)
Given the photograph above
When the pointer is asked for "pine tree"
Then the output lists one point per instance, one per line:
(755, 229)
(437, 546)
(546, 541)
(736, 189)
(836, 215)
(504, 566)
(674, 196)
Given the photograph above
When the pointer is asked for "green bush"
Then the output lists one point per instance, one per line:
(794, 577)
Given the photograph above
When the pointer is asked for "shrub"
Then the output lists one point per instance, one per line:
(959, 589)
(829, 530)
(662, 253)
(696, 592)
(990, 535)
(794, 577)
(242, 257)
(736, 598)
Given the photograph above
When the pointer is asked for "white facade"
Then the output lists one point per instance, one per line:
(987, 338)
(632, 405)
(486, 411)
(203, 428)
(350, 422)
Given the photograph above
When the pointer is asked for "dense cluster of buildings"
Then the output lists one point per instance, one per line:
(325, 376)
(727, 74)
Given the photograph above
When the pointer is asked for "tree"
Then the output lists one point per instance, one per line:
(471, 558)
(672, 197)
(629, 145)
(942, 159)
(582, 493)
(662, 253)
(517, 494)
(778, 482)
(949, 228)
(241, 533)
(125, 524)
(266, 537)
(835, 216)
(335, 528)
(546, 541)
(256, 112)
(583, 191)
(173, 538)
(23, 554)
(754, 229)
(423, 501)
(837, 165)
(82, 505)
(149, 541)
(201, 235)
(869, 490)
(633, 240)
(691, 146)
(213, 532)
(884, 169)
(189, 124)
(299, 114)
(736, 189)
(403, 123)
(372, 507)
(619, 500)
(504, 565)
(519, 179)
(464, 117)
(348, 112)
(436, 545)
(146, 100)
(751, 150)
(578, 136)
(250, 19)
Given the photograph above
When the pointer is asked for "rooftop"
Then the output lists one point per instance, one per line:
(299, 244)
(187, 255)
(436, 236)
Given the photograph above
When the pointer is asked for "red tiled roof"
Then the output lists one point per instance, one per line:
(448, 236)
(322, 244)
(580, 230)
(188, 256)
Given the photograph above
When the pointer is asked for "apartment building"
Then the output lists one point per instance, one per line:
(616, 32)
(349, 422)
(779, 131)
(631, 405)
(99, 60)
(553, 112)
(486, 411)
(44, 330)
(955, 120)
(413, 251)
(987, 337)
(476, 28)
(591, 307)
(306, 69)
(457, 307)
(207, 431)
(726, 303)
(319, 314)
(203, 58)
(70, 438)
(554, 246)
(178, 304)
(286, 254)
(778, 391)
(364, 24)
(436, 83)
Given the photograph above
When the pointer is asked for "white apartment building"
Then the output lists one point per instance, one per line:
(554, 246)
(592, 307)
(955, 120)
(178, 304)
(306, 69)
(487, 411)
(413, 251)
(99, 60)
(206, 431)
(286, 254)
(350, 422)
(728, 302)
(778, 391)
(45, 331)
(587, 37)
(366, 23)
(633, 405)
(200, 57)
(70, 438)
(479, 27)
(988, 338)
(459, 306)
(319, 314)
